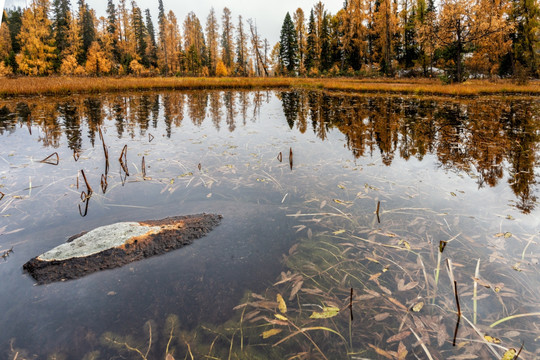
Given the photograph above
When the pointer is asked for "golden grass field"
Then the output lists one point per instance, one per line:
(59, 85)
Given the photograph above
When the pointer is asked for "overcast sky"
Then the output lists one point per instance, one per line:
(267, 14)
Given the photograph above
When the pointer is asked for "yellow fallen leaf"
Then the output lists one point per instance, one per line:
(338, 232)
(510, 354)
(281, 304)
(271, 332)
(280, 317)
(327, 312)
(418, 306)
(492, 339)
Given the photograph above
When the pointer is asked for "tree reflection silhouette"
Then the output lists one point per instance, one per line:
(485, 138)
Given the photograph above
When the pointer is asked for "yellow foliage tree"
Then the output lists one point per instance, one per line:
(136, 67)
(4, 69)
(38, 50)
(221, 69)
(5, 41)
(97, 62)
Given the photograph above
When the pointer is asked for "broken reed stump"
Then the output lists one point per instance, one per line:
(115, 245)
(49, 160)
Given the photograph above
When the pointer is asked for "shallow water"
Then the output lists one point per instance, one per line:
(463, 171)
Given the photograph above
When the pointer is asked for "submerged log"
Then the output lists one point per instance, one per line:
(118, 244)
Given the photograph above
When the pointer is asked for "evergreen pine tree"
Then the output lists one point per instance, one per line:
(61, 26)
(311, 52)
(152, 45)
(288, 45)
(139, 30)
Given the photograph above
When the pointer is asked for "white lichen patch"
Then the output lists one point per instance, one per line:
(98, 240)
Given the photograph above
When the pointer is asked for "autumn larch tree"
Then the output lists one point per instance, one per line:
(38, 51)
(301, 37)
(288, 45)
(241, 48)
(212, 29)
(353, 28)
(227, 45)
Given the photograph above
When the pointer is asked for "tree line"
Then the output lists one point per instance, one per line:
(414, 37)
(451, 39)
(48, 38)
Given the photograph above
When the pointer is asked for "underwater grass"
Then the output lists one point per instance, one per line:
(62, 85)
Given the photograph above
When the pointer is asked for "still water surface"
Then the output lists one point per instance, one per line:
(306, 227)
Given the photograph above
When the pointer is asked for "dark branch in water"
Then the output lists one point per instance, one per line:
(50, 161)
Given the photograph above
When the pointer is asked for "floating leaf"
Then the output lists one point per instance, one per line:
(453, 193)
(271, 332)
(338, 232)
(510, 217)
(418, 306)
(341, 187)
(280, 317)
(510, 354)
(507, 235)
(492, 339)
(328, 312)
(281, 304)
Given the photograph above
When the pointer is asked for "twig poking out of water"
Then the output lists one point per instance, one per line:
(6, 253)
(123, 160)
(442, 245)
(143, 167)
(2, 195)
(280, 157)
(50, 161)
(377, 212)
(290, 158)
(150, 137)
(350, 304)
(199, 166)
(105, 151)
(519, 351)
(104, 183)
(76, 155)
(88, 187)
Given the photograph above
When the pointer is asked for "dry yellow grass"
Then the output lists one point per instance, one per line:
(67, 85)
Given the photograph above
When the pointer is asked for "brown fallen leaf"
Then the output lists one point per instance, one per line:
(398, 337)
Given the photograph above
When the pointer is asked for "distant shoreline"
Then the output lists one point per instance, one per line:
(63, 85)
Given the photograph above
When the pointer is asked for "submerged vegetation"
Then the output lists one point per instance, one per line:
(410, 229)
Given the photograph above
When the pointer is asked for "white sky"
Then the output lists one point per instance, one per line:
(268, 15)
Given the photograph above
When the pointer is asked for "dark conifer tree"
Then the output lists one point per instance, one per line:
(88, 32)
(152, 46)
(61, 26)
(139, 30)
(311, 52)
(288, 51)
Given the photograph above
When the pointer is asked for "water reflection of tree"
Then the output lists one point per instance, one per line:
(480, 136)
(523, 135)
(471, 136)
(69, 113)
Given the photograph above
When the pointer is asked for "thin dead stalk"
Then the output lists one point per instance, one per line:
(50, 161)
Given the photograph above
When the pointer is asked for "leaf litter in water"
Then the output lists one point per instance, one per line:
(327, 312)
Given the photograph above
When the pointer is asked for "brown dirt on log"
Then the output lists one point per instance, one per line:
(177, 232)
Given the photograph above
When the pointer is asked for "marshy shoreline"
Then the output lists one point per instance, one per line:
(65, 85)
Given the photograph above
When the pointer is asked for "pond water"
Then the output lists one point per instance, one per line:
(344, 220)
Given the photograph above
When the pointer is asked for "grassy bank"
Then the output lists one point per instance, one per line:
(67, 85)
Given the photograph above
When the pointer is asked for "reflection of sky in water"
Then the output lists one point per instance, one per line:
(346, 149)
